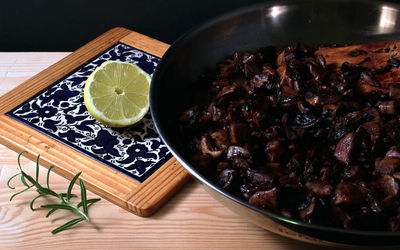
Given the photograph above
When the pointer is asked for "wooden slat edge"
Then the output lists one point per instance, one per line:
(145, 43)
(100, 179)
(61, 68)
(145, 199)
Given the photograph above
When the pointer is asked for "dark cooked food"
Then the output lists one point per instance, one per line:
(287, 132)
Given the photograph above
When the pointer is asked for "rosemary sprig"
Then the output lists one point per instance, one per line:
(65, 198)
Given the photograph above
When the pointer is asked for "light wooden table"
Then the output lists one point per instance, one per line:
(191, 219)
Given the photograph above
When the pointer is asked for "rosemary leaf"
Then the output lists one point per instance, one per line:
(68, 224)
(48, 175)
(20, 168)
(33, 201)
(30, 179)
(64, 197)
(20, 192)
(58, 206)
(23, 180)
(71, 185)
(88, 202)
(8, 182)
(47, 191)
(50, 212)
(37, 168)
(83, 197)
(18, 159)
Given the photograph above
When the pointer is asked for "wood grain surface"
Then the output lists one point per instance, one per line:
(191, 219)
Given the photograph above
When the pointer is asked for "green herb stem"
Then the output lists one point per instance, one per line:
(65, 198)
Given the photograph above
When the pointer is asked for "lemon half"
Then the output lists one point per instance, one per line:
(117, 93)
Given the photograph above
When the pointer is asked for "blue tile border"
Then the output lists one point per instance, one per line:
(58, 111)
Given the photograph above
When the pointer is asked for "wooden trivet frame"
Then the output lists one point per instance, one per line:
(143, 198)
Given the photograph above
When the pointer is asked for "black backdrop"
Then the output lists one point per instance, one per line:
(51, 25)
(57, 25)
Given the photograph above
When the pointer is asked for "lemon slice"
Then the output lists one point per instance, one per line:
(117, 93)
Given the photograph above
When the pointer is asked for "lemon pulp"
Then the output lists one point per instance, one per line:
(117, 93)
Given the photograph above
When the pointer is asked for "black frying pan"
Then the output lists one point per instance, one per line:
(273, 23)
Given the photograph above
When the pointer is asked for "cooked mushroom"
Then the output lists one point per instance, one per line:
(387, 165)
(206, 147)
(267, 199)
(227, 90)
(236, 151)
(285, 131)
(227, 70)
(393, 152)
(226, 178)
(263, 180)
(374, 128)
(274, 150)
(354, 173)
(239, 133)
(388, 107)
(240, 163)
(345, 148)
(347, 193)
(321, 61)
(320, 188)
(393, 130)
(315, 71)
(307, 212)
(369, 78)
(221, 139)
(389, 185)
(394, 91)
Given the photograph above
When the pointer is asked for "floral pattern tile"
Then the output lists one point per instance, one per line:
(59, 112)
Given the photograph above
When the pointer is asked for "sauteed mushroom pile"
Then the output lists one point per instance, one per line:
(286, 132)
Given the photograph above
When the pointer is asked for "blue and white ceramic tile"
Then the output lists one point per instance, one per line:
(59, 112)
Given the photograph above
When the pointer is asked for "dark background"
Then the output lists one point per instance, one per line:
(51, 25)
